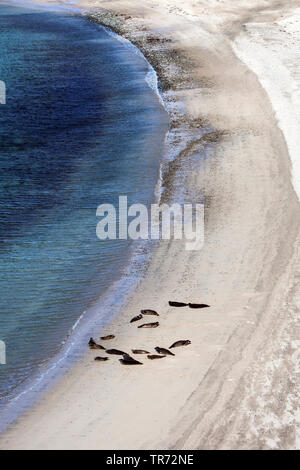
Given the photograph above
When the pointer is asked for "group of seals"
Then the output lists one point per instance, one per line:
(182, 304)
(161, 352)
(128, 360)
(140, 316)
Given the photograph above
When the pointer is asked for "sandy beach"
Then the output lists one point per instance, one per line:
(231, 67)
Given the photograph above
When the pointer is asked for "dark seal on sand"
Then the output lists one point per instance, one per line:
(198, 305)
(117, 352)
(129, 361)
(164, 351)
(137, 318)
(177, 304)
(94, 345)
(149, 325)
(104, 338)
(182, 342)
(101, 358)
(155, 356)
(149, 312)
(139, 351)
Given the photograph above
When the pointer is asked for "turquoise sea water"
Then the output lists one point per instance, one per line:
(80, 127)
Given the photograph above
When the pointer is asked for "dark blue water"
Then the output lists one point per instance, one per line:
(80, 127)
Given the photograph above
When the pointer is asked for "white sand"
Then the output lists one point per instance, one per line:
(236, 385)
(272, 51)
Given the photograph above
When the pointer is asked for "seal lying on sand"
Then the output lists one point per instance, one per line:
(128, 360)
(149, 325)
(183, 342)
(117, 352)
(198, 305)
(101, 358)
(139, 351)
(164, 351)
(154, 356)
(137, 318)
(94, 345)
(107, 337)
(149, 312)
(177, 304)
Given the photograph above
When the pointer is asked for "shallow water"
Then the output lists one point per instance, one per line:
(80, 127)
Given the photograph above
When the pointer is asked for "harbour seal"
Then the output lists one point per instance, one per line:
(198, 305)
(101, 358)
(182, 342)
(177, 304)
(137, 318)
(164, 351)
(149, 312)
(149, 325)
(128, 360)
(94, 345)
(117, 352)
(104, 338)
(155, 356)
(139, 351)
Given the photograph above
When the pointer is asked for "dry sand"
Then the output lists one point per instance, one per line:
(236, 386)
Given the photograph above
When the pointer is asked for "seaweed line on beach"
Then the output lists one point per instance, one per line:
(187, 135)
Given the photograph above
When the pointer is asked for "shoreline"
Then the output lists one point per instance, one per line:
(42, 382)
(210, 395)
(73, 348)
